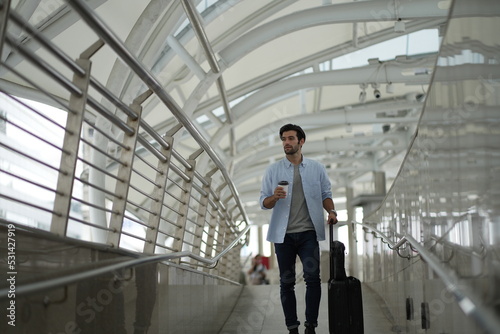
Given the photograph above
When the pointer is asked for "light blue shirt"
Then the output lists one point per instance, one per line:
(317, 188)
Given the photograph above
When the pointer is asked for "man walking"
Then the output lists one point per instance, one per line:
(297, 223)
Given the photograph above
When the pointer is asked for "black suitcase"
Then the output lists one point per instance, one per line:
(345, 302)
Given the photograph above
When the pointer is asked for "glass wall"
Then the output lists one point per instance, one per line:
(446, 196)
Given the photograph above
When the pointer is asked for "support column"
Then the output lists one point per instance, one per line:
(353, 246)
(379, 182)
(369, 203)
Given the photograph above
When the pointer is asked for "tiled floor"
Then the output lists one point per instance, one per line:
(259, 311)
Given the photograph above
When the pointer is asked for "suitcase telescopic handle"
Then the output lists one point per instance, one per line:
(337, 260)
(330, 225)
(330, 231)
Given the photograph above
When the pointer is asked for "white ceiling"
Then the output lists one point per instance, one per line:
(278, 62)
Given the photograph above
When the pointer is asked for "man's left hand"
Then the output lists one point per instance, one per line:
(332, 218)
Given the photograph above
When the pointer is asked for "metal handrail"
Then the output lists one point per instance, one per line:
(145, 135)
(461, 249)
(464, 297)
(233, 230)
(36, 287)
(396, 246)
(385, 238)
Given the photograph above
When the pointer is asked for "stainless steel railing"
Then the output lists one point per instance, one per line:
(65, 280)
(467, 300)
(93, 168)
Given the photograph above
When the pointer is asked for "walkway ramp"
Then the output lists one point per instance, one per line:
(258, 311)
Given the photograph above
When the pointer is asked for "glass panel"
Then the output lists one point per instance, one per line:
(446, 196)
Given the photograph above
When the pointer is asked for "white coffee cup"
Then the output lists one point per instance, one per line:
(284, 185)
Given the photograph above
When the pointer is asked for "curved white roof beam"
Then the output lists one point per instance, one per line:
(361, 11)
(345, 77)
(383, 73)
(311, 60)
(352, 76)
(148, 33)
(308, 18)
(329, 145)
(359, 114)
(318, 22)
(211, 14)
(207, 106)
(165, 53)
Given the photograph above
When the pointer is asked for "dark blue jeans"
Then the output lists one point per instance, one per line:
(305, 245)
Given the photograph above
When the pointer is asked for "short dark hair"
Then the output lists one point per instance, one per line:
(292, 127)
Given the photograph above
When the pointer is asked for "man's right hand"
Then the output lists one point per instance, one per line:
(279, 192)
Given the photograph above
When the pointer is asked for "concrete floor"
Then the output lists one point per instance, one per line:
(258, 310)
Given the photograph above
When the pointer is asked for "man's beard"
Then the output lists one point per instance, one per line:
(292, 150)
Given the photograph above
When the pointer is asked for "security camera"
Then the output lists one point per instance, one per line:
(376, 92)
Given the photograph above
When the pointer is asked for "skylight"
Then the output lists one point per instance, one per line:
(420, 42)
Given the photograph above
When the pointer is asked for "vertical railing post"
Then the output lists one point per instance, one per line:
(212, 228)
(235, 263)
(158, 196)
(212, 224)
(123, 178)
(184, 207)
(224, 231)
(202, 216)
(228, 234)
(69, 152)
(232, 215)
(221, 237)
(229, 267)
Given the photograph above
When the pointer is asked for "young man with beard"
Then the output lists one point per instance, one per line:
(297, 223)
